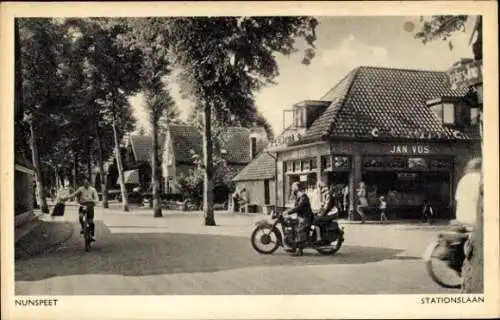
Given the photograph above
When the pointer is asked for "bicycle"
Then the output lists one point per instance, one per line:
(87, 236)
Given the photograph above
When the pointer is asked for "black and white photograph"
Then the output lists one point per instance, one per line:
(250, 155)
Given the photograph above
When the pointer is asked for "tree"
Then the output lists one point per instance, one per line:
(224, 60)
(145, 36)
(41, 44)
(442, 28)
(111, 73)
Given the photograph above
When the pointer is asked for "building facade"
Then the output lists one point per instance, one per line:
(183, 143)
(404, 133)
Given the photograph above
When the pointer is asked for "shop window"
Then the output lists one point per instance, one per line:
(373, 162)
(417, 163)
(396, 163)
(285, 166)
(440, 164)
(306, 165)
(314, 164)
(326, 162)
(341, 162)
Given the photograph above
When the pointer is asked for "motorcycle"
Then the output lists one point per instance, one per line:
(445, 256)
(325, 237)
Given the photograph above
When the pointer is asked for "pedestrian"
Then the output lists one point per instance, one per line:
(345, 199)
(383, 208)
(243, 200)
(428, 212)
(362, 201)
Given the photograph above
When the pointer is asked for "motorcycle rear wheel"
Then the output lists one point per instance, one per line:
(447, 278)
(266, 238)
(332, 248)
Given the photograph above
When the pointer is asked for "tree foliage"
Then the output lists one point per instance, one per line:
(441, 28)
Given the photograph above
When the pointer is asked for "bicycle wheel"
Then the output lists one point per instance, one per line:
(439, 269)
(86, 235)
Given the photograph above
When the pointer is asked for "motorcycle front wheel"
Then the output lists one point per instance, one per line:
(265, 239)
(438, 268)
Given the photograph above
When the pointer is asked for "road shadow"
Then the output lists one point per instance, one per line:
(135, 254)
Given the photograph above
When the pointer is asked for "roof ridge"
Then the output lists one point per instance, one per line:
(354, 72)
(339, 82)
(399, 69)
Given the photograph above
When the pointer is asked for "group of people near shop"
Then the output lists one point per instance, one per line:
(336, 198)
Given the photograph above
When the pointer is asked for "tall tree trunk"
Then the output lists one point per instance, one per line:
(155, 173)
(38, 176)
(208, 201)
(120, 168)
(89, 161)
(104, 187)
(75, 171)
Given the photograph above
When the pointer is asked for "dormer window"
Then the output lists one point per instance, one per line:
(453, 112)
(300, 117)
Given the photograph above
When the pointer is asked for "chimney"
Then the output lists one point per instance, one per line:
(253, 145)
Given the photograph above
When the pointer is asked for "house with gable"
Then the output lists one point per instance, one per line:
(404, 133)
(240, 146)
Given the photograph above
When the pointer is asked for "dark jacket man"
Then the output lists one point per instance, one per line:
(304, 213)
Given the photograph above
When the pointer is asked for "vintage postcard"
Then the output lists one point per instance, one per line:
(249, 160)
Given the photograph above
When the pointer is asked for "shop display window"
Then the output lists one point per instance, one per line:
(440, 164)
(417, 163)
(396, 162)
(306, 165)
(408, 188)
(314, 164)
(373, 162)
(335, 162)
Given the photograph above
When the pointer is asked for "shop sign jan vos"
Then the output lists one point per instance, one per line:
(410, 149)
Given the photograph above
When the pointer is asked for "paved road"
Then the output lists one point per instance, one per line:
(138, 254)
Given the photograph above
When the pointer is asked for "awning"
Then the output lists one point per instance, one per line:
(130, 176)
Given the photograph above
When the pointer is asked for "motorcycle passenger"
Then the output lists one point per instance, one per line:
(87, 196)
(329, 203)
(305, 215)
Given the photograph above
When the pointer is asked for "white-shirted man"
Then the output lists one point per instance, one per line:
(87, 196)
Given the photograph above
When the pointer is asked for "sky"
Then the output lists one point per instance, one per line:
(343, 43)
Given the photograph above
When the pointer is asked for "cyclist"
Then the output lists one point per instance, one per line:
(87, 196)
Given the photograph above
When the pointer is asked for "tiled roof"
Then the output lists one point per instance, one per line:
(236, 142)
(142, 146)
(391, 100)
(262, 167)
(184, 139)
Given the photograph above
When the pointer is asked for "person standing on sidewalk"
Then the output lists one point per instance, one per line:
(362, 201)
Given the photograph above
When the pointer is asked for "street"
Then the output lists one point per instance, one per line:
(136, 253)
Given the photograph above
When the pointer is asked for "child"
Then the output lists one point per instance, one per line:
(383, 207)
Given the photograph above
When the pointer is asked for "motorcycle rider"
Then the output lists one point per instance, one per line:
(87, 196)
(305, 216)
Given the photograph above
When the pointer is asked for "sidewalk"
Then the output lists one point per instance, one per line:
(40, 235)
